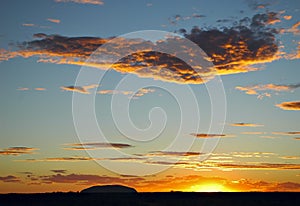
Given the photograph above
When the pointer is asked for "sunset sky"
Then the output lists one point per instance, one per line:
(227, 119)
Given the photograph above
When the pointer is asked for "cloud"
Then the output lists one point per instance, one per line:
(10, 178)
(297, 138)
(287, 17)
(290, 157)
(139, 93)
(82, 89)
(40, 89)
(59, 171)
(57, 21)
(95, 2)
(89, 179)
(289, 105)
(59, 159)
(287, 133)
(23, 89)
(294, 29)
(202, 135)
(172, 153)
(96, 145)
(260, 166)
(27, 89)
(242, 124)
(257, 89)
(233, 49)
(17, 151)
(237, 48)
(29, 25)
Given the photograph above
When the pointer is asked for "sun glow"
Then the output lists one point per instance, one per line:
(212, 187)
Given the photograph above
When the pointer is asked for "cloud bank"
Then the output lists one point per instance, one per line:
(232, 49)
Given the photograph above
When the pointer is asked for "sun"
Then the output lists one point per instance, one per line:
(210, 187)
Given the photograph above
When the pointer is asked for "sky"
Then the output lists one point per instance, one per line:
(156, 95)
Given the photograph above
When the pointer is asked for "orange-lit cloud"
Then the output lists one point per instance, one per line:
(57, 21)
(17, 151)
(96, 145)
(95, 2)
(40, 89)
(289, 105)
(294, 29)
(162, 184)
(258, 89)
(297, 138)
(287, 17)
(202, 135)
(26, 89)
(242, 124)
(82, 89)
(234, 49)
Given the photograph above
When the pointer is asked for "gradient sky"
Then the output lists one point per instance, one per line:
(254, 46)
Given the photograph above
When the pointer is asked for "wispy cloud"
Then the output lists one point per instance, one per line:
(287, 133)
(290, 157)
(263, 90)
(96, 145)
(59, 159)
(295, 105)
(138, 94)
(57, 21)
(242, 124)
(17, 151)
(80, 89)
(95, 2)
(27, 89)
(204, 135)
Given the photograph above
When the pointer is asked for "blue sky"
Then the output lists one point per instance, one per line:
(43, 47)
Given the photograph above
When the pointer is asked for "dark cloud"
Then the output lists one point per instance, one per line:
(96, 145)
(82, 89)
(235, 49)
(10, 178)
(59, 171)
(17, 151)
(289, 105)
(59, 159)
(287, 133)
(203, 135)
(242, 124)
(172, 153)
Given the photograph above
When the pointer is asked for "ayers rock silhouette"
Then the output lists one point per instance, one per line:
(109, 189)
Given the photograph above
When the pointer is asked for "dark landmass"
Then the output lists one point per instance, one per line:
(109, 189)
(149, 199)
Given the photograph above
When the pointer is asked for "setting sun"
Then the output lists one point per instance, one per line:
(211, 187)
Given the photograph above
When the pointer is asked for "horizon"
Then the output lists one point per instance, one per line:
(158, 96)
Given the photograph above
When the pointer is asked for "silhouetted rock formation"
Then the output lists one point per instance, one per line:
(109, 189)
